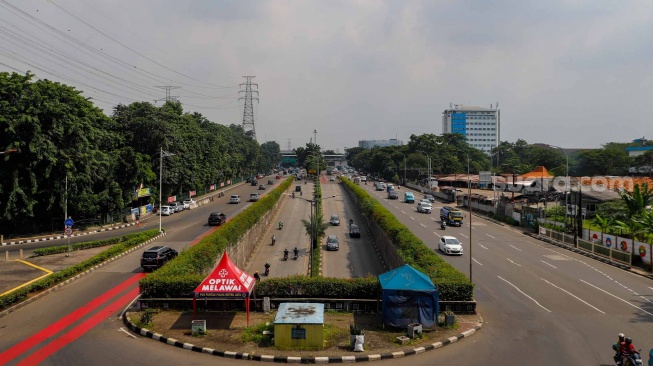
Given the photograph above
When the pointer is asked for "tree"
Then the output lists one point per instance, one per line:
(636, 202)
(315, 227)
(603, 223)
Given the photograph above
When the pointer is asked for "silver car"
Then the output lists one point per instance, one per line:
(335, 220)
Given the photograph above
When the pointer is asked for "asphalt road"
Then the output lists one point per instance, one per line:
(540, 303)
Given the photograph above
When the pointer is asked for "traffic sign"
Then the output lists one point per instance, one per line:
(69, 222)
(68, 231)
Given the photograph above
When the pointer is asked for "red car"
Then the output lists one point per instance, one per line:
(278, 177)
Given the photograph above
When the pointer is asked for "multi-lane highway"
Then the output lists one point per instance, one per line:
(541, 304)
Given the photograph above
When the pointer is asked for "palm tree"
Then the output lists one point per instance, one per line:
(637, 202)
(315, 228)
(604, 223)
(645, 220)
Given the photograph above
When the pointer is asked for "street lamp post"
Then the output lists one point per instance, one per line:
(567, 188)
(162, 154)
(428, 170)
(469, 199)
(404, 166)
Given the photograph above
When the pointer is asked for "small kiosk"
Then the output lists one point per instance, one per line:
(299, 325)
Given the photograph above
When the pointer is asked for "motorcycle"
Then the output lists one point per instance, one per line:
(443, 225)
(633, 359)
(296, 252)
(267, 269)
(285, 255)
(293, 195)
(274, 239)
(280, 225)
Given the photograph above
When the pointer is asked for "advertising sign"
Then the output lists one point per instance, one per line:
(172, 199)
(144, 192)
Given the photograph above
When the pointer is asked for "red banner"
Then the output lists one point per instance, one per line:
(172, 199)
(191, 193)
(213, 187)
(221, 184)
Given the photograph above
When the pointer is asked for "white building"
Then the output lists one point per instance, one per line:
(481, 126)
(368, 144)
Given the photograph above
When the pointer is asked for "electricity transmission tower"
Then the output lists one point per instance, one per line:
(168, 98)
(248, 113)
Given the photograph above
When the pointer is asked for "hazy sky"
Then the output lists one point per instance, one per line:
(568, 73)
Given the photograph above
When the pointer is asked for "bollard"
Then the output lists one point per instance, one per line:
(7, 256)
(21, 254)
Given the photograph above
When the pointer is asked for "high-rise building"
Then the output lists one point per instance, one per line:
(368, 144)
(481, 126)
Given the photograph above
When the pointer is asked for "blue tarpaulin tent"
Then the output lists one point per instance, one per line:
(409, 296)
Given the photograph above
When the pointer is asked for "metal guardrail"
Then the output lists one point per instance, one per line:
(596, 249)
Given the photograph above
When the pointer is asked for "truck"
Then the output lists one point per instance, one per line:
(451, 215)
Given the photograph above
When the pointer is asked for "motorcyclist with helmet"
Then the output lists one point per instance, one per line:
(628, 350)
(617, 347)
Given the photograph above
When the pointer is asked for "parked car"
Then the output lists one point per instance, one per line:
(254, 197)
(217, 218)
(254, 182)
(332, 243)
(392, 195)
(335, 220)
(167, 210)
(187, 203)
(354, 231)
(450, 245)
(177, 206)
(261, 187)
(234, 198)
(156, 257)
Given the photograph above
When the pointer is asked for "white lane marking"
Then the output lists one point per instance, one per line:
(517, 264)
(481, 245)
(651, 288)
(523, 293)
(437, 234)
(490, 236)
(412, 218)
(474, 259)
(617, 297)
(549, 264)
(422, 224)
(465, 236)
(403, 212)
(514, 247)
(574, 296)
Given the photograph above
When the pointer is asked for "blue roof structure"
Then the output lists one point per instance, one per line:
(406, 278)
(639, 148)
(299, 313)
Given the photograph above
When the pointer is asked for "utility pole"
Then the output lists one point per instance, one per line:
(248, 112)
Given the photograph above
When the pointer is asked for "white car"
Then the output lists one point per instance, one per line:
(450, 245)
(167, 210)
(234, 198)
(187, 203)
(424, 206)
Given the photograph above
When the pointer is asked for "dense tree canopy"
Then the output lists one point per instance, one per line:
(62, 135)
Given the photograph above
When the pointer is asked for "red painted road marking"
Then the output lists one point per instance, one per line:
(80, 330)
(56, 327)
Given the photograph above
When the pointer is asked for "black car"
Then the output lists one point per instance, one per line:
(298, 188)
(392, 195)
(354, 231)
(156, 257)
(217, 218)
(254, 182)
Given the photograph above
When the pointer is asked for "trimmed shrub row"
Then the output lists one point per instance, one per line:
(122, 245)
(179, 277)
(452, 284)
(79, 246)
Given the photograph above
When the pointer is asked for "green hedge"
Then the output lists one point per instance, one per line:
(332, 288)
(179, 277)
(452, 284)
(122, 245)
(79, 246)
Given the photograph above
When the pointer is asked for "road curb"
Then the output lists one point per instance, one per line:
(68, 281)
(294, 359)
(64, 236)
